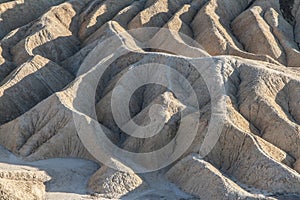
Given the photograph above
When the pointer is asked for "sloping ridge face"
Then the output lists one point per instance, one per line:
(50, 50)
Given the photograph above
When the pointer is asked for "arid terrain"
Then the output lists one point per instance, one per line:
(247, 96)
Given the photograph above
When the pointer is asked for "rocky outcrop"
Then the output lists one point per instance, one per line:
(22, 182)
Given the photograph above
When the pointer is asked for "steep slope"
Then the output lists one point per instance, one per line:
(218, 82)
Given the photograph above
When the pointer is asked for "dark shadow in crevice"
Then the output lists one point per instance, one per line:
(286, 7)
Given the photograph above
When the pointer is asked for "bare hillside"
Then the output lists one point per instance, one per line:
(150, 99)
